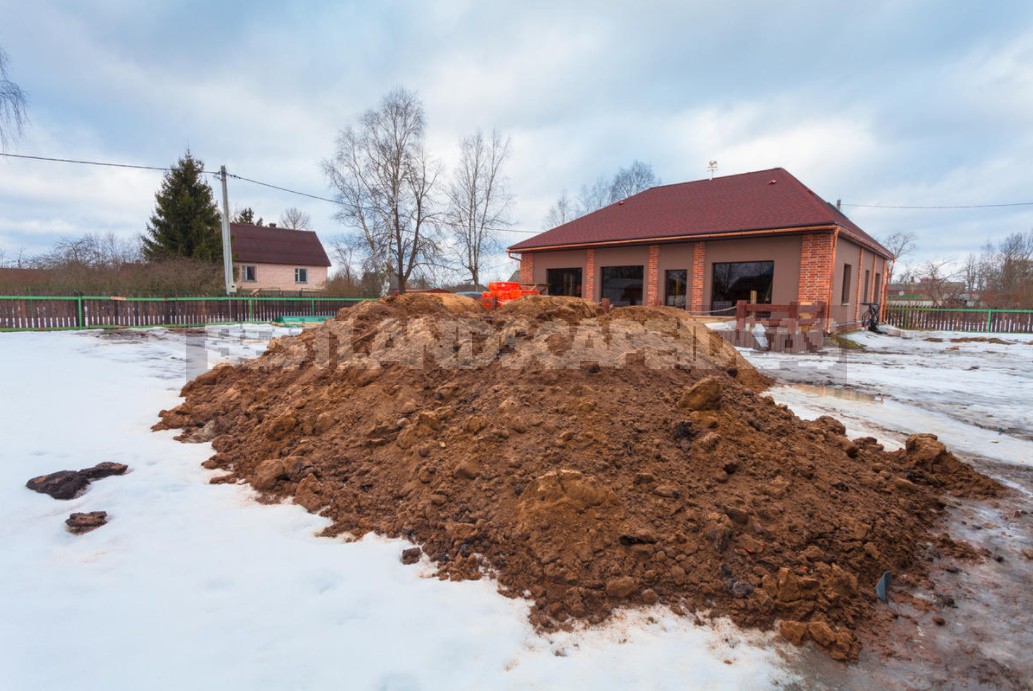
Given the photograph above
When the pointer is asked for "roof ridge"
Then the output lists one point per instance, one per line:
(720, 177)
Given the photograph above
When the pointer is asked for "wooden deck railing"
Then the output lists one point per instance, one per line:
(786, 328)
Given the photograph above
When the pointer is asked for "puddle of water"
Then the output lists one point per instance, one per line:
(838, 392)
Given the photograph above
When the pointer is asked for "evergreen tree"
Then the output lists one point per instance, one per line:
(247, 215)
(186, 222)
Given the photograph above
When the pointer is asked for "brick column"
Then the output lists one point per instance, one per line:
(699, 267)
(588, 287)
(816, 261)
(652, 297)
(527, 267)
(860, 284)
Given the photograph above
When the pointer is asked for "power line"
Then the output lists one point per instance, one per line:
(951, 206)
(88, 163)
(284, 189)
(109, 164)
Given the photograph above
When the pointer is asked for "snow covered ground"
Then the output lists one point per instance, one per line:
(193, 585)
(974, 393)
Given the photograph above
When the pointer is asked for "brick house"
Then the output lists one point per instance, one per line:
(271, 258)
(704, 245)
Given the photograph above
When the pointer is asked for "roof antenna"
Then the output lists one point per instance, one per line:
(712, 167)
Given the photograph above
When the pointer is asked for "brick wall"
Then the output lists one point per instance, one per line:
(280, 277)
(817, 257)
(699, 270)
(588, 286)
(652, 297)
(527, 267)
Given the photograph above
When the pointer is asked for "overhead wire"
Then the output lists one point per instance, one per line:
(133, 166)
(946, 206)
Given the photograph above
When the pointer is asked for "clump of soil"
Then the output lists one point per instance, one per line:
(587, 461)
(68, 484)
(79, 523)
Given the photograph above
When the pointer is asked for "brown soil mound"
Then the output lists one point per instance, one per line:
(586, 461)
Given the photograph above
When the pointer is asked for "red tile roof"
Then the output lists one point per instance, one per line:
(267, 245)
(763, 200)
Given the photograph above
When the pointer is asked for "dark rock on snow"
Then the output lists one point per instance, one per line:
(79, 523)
(68, 484)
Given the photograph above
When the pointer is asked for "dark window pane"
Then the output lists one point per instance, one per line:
(734, 281)
(846, 285)
(564, 282)
(676, 282)
(622, 284)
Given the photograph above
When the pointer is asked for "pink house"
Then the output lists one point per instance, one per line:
(271, 258)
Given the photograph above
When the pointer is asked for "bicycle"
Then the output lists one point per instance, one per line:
(870, 320)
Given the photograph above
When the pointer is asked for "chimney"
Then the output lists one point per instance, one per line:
(839, 205)
(272, 225)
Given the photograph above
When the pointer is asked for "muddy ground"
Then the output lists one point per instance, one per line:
(589, 462)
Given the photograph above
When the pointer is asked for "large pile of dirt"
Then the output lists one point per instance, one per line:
(586, 461)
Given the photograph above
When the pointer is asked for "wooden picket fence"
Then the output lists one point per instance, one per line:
(959, 319)
(41, 313)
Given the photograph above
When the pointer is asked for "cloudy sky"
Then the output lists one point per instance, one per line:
(899, 103)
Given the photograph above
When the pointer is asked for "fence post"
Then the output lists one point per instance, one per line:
(313, 307)
(78, 312)
(989, 319)
(251, 309)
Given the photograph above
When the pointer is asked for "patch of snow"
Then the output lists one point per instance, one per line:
(192, 585)
(974, 395)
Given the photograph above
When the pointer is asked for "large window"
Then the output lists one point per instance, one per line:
(845, 297)
(249, 273)
(734, 281)
(564, 282)
(676, 283)
(301, 275)
(622, 284)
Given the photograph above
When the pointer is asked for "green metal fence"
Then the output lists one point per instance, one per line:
(42, 313)
(961, 319)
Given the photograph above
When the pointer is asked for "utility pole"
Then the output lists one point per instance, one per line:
(227, 246)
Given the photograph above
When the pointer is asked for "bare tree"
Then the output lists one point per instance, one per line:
(1006, 271)
(92, 251)
(12, 105)
(294, 218)
(385, 183)
(561, 212)
(638, 177)
(595, 196)
(940, 282)
(626, 182)
(900, 244)
(479, 200)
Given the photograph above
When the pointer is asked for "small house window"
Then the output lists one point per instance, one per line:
(734, 281)
(676, 282)
(249, 273)
(846, 285)
(301, 275)
(867, 278)
(878, 288)
(564, 281)
(622, 284)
